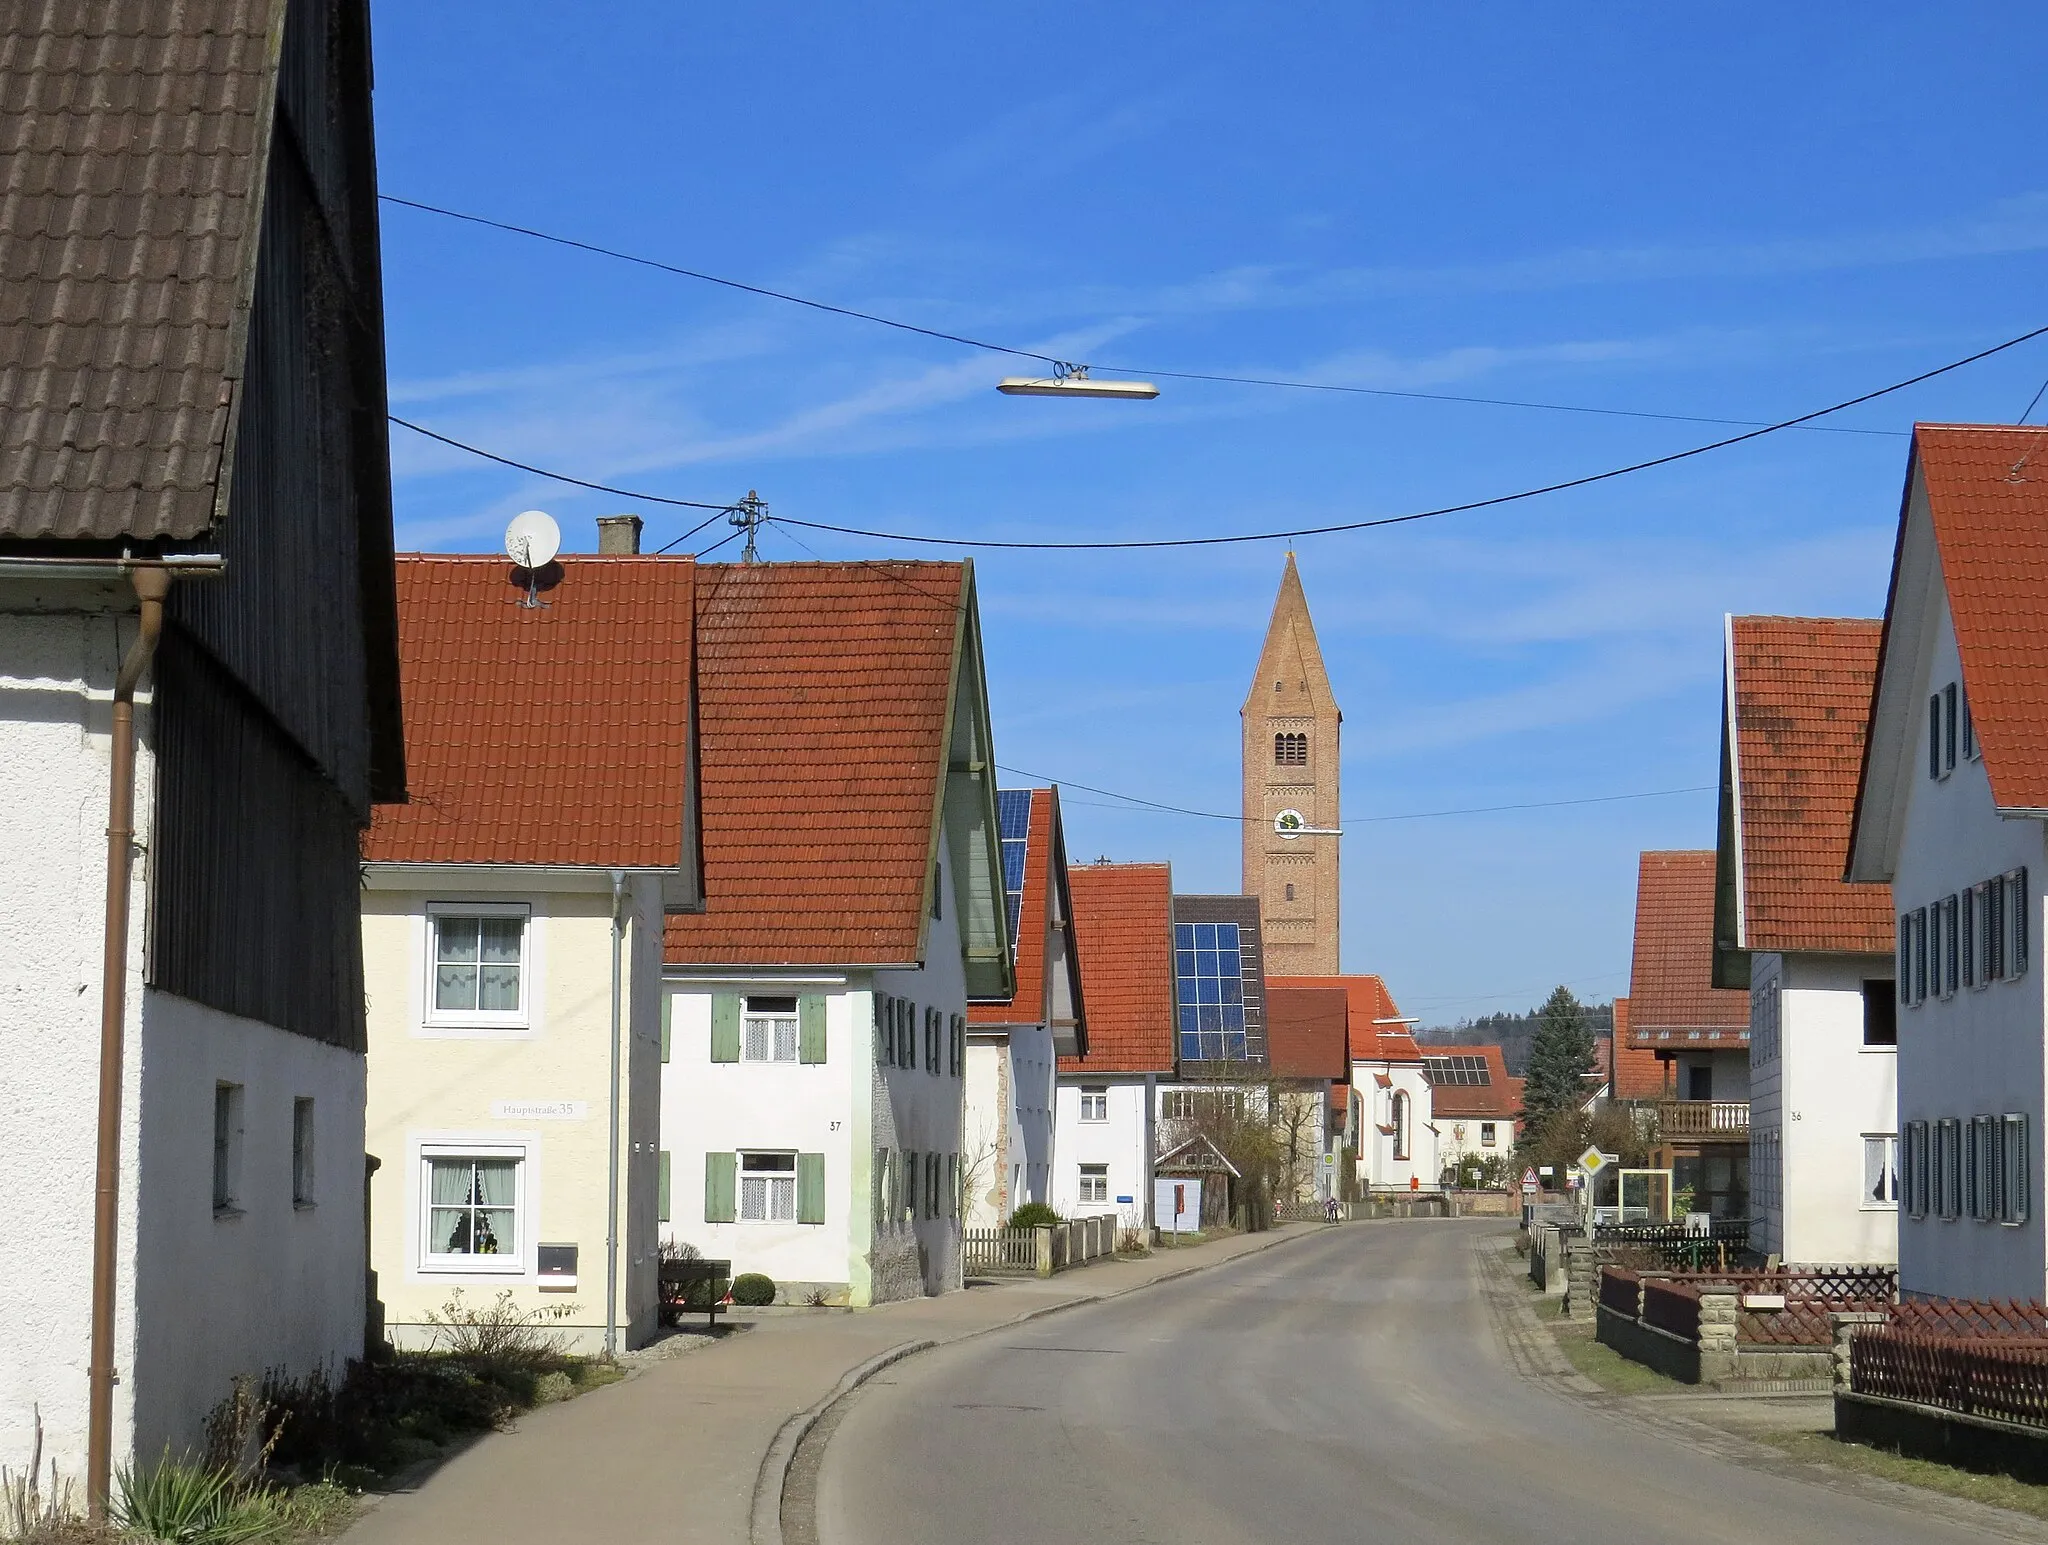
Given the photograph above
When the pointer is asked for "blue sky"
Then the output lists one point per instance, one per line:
(1726, 211)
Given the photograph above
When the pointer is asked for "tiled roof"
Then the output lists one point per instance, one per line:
(1368, 1001)
(1306, 1032)
(1671, 991)
(824, 691)
(555, 735)
(1034, 907)
(1499, 1097)
(1987, 491)
(131, 159)
(1636, 1074)
(1123, 929)
(1801, 697)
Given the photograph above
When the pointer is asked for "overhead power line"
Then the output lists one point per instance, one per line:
(555, 477)
(1431, 514)
(599, 250)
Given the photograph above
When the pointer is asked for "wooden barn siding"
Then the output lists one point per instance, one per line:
(288, 621)
(255, 883)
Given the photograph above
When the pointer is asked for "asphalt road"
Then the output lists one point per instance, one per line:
(1348, 1388)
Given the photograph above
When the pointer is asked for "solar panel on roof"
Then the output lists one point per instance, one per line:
(1444, 1071)
(1208, 970)
(1013, 823)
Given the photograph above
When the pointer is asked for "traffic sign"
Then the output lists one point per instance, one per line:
(1592, 1161)
(1529, 1180)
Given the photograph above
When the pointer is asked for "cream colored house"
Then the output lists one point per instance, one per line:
(512, 930)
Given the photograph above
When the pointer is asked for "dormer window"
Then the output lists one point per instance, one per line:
(1290, 749)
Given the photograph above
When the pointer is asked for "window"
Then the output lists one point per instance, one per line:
(1400, 1123)
(472, 1209)
(931, 1040)
(1934, 768)
(479, 964)
(768, 1031)
(1948, 1159)
(302, 1152)
(1487, 1134)
(910, 1172)
(2015, 923)
(1880, 1014)
(938, 889)
(227, 1147)
(1991, 919)
(1290, 749)
(1986, 1154)
(1290, 890)
(767, 1188)
(1881, 1171)
(931, 1185)
(1967, 1201)
(2017, 1172)
(1966, 937)
(1969, 730)
(1222, 1105)
(1917, 1168)
(1094, 1183)
(1094, 1102)
(1765, 1008)
(1948, 729)
(1904, 964)
(1209, 983)
(1919, 954)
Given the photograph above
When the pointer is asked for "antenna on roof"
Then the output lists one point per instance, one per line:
(747, 515)
(531, 542)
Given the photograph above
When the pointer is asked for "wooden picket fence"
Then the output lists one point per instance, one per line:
(1975, 1375)
(999, 1251)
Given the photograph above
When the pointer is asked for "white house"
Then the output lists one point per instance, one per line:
(512, 934)
(1105, 1115)
(1014, 1044)
(813, 1088)
(1307, 1045)
(1397, 1136)
(198, 708)
(1813, 951)
(1475, 1105)
(1949, 812)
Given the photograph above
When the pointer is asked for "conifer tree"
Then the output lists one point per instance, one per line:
(1559, 1058)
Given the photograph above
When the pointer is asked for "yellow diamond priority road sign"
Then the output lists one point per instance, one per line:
(1592, 1161)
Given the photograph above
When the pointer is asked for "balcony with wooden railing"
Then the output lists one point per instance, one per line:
(1712, 1121)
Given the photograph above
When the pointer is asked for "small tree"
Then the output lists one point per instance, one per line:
(1559, 1059)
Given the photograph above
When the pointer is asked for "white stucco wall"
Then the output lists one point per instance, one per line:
(1980, 1051)
(1377, 1165)
(1034, 1075)
(540, 1089)
(1009, 1119)
(1821, 1094)
(1124, 1143)
(269, 1286)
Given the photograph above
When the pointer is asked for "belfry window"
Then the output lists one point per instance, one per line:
(1290, 749)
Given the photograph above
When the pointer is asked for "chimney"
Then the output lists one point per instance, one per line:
(618, 534)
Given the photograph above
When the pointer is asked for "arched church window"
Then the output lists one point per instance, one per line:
(1290, 749)
(1400, 1124)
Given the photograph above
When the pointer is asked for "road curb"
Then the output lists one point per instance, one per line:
(764, 1522)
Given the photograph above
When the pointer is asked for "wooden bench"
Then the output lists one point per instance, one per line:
(687, 1286)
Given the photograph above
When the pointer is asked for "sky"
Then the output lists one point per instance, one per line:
(1735, 212)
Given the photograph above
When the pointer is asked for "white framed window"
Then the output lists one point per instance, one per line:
(1488, 1135)
(1094, 1183)
(472, 1201)
(478, 965)
(768, 1030)
(302, 1152)
(1095, 1102)
(767, 1188)
(227, 1149)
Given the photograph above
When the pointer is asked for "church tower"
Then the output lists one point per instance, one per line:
(1290, 764)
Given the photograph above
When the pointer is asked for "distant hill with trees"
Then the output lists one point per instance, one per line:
(1514, 1034)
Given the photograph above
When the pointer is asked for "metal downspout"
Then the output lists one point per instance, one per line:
(151, 586)
(611, 1226)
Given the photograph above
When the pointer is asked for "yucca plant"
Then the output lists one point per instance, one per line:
(180, 1503)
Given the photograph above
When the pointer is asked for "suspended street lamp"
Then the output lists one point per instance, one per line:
(1074, 381)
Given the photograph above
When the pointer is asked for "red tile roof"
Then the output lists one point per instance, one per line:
(1987, 491)
(1306, 1032)
(1123, 932)
(1368, 1001)
(1671, 991)
(824, 703)
(1801, 693)
(1031, 1003)
(1499, 1097)
(556, 735)
(1637, 1073)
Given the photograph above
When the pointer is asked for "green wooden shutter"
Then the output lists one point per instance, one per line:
(661, 1188)
(810, 1188)
(668, 1003)
(725, 1027)
(810, 1027)
(721, 1187)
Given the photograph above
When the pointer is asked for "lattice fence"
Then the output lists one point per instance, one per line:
(2008, 1319)
(1976, 1375)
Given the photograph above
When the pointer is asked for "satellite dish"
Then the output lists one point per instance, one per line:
(533, 539)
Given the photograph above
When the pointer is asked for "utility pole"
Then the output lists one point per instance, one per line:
(748, 515)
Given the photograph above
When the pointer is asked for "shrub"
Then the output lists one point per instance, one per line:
(188, 1504)
(753, 1289)
(1035, 1215)
(499, 1334)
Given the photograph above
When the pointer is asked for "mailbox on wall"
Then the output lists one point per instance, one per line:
(557, 1268)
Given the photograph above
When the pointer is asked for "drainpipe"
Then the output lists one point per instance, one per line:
(151, 586)
(611, 1225)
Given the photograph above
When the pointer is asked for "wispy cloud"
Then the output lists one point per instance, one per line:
(1049, 137)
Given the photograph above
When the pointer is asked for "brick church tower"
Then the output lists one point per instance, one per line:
(1290, 763)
